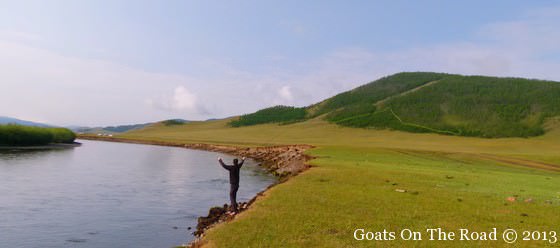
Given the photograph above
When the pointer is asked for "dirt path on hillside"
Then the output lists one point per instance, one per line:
(381, 102)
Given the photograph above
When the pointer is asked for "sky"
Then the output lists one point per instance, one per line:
(101, 62)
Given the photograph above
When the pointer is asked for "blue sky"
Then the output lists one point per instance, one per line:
(115, 62)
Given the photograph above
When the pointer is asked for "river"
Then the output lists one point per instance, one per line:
(106, 194)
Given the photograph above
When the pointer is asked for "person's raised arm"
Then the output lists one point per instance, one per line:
(242, 161)
(227, 167)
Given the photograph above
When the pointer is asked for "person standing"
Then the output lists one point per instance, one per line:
(233, 180)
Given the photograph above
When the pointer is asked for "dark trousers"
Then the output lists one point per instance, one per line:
(233, 196)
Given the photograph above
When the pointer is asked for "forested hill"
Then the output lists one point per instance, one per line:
(433, 102)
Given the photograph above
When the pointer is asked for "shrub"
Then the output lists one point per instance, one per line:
(173, 122)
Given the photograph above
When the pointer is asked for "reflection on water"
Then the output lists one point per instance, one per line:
(112, 194)
(19, 154)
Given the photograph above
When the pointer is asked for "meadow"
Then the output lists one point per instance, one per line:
(387, 180)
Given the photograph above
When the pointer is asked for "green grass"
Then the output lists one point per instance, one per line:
(17, 135)
(353, 188)
(452, 183)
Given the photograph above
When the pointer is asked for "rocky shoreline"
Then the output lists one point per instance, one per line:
(282, 161)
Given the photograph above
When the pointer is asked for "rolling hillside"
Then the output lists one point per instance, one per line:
(433, 102)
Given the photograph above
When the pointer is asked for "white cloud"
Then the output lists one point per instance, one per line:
(182, 100)
(285, 94)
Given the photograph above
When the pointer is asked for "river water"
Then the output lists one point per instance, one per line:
(105, 194)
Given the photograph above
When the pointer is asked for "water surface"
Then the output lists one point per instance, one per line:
(105, 194)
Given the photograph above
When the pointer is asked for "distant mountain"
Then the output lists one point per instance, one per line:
(123, 128)
(108, 129)
(433, 102)
(9, 120)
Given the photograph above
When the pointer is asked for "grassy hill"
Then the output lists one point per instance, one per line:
(433, 102)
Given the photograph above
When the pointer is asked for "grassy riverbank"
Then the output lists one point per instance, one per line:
(18, 135)
(450, 182)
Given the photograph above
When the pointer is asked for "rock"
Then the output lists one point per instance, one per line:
(400, 190)
(214, 216)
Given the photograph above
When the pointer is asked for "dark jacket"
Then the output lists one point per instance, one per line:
(233, 171)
